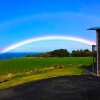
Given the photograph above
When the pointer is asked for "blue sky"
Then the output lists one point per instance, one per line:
(24, 19)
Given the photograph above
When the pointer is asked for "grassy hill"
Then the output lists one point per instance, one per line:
(30, 63)
(22, 70)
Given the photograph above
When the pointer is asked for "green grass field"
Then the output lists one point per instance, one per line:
(26, 64)
(22, 70)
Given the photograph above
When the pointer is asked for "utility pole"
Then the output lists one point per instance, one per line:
(94, 58)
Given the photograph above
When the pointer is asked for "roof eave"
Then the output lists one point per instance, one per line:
(94, 28)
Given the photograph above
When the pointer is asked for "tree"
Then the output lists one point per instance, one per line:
(59, 53)
(81, 53)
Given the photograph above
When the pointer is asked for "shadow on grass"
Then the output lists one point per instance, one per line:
(89, 68)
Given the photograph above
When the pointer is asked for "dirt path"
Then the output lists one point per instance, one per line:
(61, 88)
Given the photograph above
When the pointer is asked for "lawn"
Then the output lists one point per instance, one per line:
(26, 64)
(22, 70)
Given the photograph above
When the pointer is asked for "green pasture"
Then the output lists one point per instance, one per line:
(21, 70)
(26, 64)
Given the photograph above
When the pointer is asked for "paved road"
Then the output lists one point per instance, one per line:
(61, 88)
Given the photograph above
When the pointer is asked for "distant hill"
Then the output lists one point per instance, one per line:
(11, 55)
(55, 53)
(65, 53)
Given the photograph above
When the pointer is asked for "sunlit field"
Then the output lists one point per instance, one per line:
(22, 70)
(29, 63)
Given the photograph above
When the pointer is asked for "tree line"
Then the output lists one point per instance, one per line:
(66, 53)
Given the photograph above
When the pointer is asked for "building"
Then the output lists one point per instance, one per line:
(97, 29)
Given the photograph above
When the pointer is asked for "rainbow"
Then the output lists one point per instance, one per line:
(36, 39)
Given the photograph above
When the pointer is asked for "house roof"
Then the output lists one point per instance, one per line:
(94, 28)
